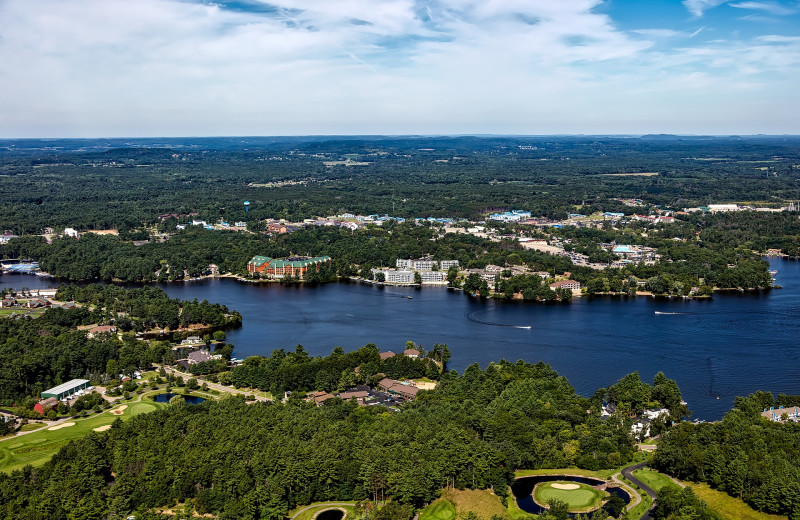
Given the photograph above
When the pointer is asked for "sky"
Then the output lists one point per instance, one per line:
(127, 68)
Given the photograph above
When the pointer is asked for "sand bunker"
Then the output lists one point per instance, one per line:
(103, 428)
(120, 410)
(62, 425)
(565, 486)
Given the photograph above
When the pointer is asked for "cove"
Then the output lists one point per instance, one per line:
(733, 344)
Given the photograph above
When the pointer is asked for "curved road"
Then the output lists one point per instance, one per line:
(628, 473)
(331, 505)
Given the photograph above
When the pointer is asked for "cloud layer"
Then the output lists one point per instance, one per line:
(170, 67)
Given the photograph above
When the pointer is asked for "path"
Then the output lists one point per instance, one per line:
(628, 473)
(325, 504)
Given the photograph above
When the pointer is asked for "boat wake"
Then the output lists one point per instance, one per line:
(669, 313)
(471, 317)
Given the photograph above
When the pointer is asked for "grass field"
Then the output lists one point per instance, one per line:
(37, 448)
(438, 510)
(654, 479)
(602, 474)
(483, 503)
(727, 506)
(582, 498)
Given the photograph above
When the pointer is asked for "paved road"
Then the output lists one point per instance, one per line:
(628, 472)
(215, 386)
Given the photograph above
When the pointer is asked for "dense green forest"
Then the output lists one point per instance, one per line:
(124, 184)
(744, 455)
(297, 370)
(260, 460)
(36, 354)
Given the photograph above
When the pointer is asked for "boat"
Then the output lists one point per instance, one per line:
(773, 272)
(410, 297)
(671, 313)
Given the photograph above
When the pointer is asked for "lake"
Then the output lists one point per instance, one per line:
(716, 349)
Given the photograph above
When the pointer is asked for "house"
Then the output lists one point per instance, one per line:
(200, 356)
(358, 395)
(8, 301)
(45, 405)
(386, 355)
(70, 232)
(411, 352)
(566, 284)
(101, 329)
(37, 303)
(776, 414)
(5, 237)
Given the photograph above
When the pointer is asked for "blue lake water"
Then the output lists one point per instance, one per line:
(190, 399)
(733, 344)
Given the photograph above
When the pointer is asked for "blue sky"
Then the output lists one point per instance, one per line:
(89, 68)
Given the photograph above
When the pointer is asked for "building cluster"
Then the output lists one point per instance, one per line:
(388, 392)
(514, 215)
(295, 267)
(430, 271)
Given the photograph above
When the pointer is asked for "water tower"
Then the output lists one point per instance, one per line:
(246, 206)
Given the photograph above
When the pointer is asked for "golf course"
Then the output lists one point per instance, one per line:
(37, 447)
(578, 497)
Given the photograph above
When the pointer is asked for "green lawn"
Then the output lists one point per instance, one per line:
(37, 448)
(583, 498)
(438, 510)
(32, 426)
(654, 479)
(601, 474)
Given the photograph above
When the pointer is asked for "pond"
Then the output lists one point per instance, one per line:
(523, 489)
(330, 514)
(191, 399)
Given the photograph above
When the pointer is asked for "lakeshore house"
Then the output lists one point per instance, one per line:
(776, 414)
(101, 329)
(296, 266)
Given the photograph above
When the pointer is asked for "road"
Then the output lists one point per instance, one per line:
(216, 386)
(628, 473)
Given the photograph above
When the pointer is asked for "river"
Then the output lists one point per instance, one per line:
(716, 349)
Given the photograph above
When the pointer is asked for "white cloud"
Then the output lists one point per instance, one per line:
(168, 67)
(698, 7)
(769, 7)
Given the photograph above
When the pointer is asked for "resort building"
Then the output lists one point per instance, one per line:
(65, 390)
(296, 266)
(566, 284)
(425, 264)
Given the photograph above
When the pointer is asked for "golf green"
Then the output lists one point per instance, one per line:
(578, 497)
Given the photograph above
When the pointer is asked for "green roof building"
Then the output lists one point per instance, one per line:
(280, 267)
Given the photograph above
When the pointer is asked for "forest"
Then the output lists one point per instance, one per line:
(744, 455)
(242, 461)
